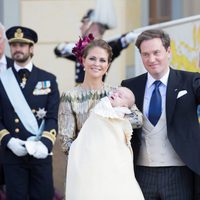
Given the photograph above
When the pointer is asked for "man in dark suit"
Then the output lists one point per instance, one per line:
(167, 153)
(29, 99)
(5, 62)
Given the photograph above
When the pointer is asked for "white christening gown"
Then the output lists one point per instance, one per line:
(100, 162)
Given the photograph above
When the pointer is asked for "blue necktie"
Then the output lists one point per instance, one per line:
(155, 104)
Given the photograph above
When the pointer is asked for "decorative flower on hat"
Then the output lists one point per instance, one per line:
(80, 45)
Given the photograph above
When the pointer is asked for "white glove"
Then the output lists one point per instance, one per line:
(17, 146)
(129, 37)
(31, 147)
(65, 48)
(39, 150)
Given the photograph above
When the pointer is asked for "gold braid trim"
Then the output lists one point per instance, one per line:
(20, 40)
(3, 133)
(51, 135)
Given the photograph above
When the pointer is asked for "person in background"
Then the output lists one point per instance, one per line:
(29, 100)
(5, 62)
(100, 164)
(167, 147)
(96, 21)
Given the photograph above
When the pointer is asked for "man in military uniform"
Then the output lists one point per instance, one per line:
(29, 99)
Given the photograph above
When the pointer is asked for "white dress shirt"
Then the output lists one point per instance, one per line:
(29, 66)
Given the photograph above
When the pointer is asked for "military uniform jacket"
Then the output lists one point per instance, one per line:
(42, 100)
(182, 99)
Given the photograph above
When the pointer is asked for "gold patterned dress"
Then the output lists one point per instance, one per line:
(74, 109)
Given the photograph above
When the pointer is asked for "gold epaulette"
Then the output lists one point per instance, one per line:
(51, 135)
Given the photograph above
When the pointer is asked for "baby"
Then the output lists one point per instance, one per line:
(118, 104)
(122, 97)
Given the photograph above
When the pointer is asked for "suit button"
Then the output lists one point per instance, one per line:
(16, 130)
(16, 120)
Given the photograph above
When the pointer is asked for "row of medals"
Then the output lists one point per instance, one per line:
(42, 87)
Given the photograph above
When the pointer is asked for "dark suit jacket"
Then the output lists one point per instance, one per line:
(181, 113)
(10, 121)
(10, 62)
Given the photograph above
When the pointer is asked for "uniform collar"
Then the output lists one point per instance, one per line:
(29, 67)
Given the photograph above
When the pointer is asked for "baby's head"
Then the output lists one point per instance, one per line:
(122, 97)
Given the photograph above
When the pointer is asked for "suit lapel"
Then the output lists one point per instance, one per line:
(9, 61)
(173, 87)
(16, 75)
(140, 91)
(31, 83)
(171, 94)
